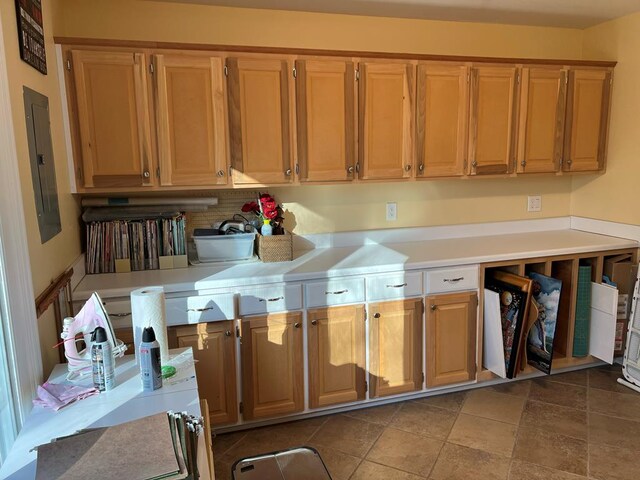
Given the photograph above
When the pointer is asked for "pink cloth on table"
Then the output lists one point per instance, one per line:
(58, 395)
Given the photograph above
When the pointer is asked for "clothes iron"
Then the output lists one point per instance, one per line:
(91, 315)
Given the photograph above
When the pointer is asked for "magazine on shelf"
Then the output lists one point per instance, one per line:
(546, 296)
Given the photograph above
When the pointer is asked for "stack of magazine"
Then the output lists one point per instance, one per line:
(171, 446)
(140, 241)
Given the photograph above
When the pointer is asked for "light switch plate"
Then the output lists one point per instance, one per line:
(534, 203)
(392, 211)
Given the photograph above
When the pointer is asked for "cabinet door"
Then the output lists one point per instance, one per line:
(113, 118)
(214, 349)
(272, 375)
(259, 124)
(491, 125)
(336, 339)
(386, 120)
(587, 120)
(451, 338)
(395, 347)
(191, 121)
(325, 94)
(441, 128)
(542, 111)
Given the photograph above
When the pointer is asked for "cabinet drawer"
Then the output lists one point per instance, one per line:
(275, 298)
(451, 279)
(334, 292)
(397, 285)
(119, 312)
(200, 308)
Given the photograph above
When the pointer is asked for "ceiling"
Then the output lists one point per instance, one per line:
(556, 13)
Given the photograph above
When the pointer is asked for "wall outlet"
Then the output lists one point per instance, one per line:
(392, 211)
(534, 203)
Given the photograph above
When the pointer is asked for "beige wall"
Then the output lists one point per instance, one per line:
(611, 196)
(338, 208)
(52, 258)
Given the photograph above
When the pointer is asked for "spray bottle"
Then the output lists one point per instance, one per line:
(102, 362)
(150, 369)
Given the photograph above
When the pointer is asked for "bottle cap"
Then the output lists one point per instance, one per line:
(148, 335)
(99, 335)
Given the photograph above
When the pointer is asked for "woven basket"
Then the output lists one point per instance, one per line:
(275, 248)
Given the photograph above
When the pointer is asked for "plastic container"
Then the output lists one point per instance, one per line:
(224, 248)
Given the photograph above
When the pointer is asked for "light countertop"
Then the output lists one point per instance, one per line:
(357, 260)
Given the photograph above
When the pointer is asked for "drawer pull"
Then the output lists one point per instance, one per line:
(275, 299)
(296, 325)
(337, 292)
(199, 309)
(400, 285)
(314, 322)
(453, 280)
(227, 333)
(120, 315)
(434, 307)
(376, 315)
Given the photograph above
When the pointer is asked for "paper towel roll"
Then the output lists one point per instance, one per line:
(148, 310)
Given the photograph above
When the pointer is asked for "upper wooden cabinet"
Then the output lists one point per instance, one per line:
(587, 120)
(272, 368)
(395, 347)
(113, 120)
(214, 349)
(336, 339)
(326, 109)
(451, 338)
(386, 119)
(442, 119)
(542, 115)
(492, 119)
(191, 120)
(259, 120)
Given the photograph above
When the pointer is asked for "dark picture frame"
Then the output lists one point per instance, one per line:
(31, 34)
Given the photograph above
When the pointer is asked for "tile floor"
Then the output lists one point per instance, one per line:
(572, 426)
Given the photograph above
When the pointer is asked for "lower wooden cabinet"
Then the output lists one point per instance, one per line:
(395, 347)
(214, 349)
(272, 366)
(336, 345)
(451, 338)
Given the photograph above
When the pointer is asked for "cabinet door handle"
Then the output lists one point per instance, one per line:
(227, 333)
(221, 173)
(350, 169)
(421, 167)
(296, 325)
(453, 280)
(337, 292)
(376, 315)
(199, 309)
(400, 285)
(314, 322)
(120, 315)
(407, 168)
(275, 299)
(146, 174)
(523, 163)
(287, 172)
(474, 164)
(434, 308)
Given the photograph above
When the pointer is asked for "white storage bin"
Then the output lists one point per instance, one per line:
(224, 248)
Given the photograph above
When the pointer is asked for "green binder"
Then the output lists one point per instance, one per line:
(583, 312)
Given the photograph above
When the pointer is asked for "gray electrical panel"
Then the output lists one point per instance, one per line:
(43, 172)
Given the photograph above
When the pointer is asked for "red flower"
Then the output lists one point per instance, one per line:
(250, 207)
(271, 214)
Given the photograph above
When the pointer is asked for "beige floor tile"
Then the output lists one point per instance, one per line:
(528, 471)
(493, 405)
(274, 438)
(577, 377)
(222, 443)
(483, 434)
(373, 471)
(424, 420)
(554, 418)
(519, 388)
(462, 463)
(559, 394)
(614, 431)
(552, 450)
(340, 465)
(449, 401)
(606, 380)
(613, 462)
(624, 405)
(348, 435)
(381, 415)
(405, 451)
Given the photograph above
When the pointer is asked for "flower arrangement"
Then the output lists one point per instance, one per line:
(267, 210)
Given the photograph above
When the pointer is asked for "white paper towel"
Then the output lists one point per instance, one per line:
(148, 310)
